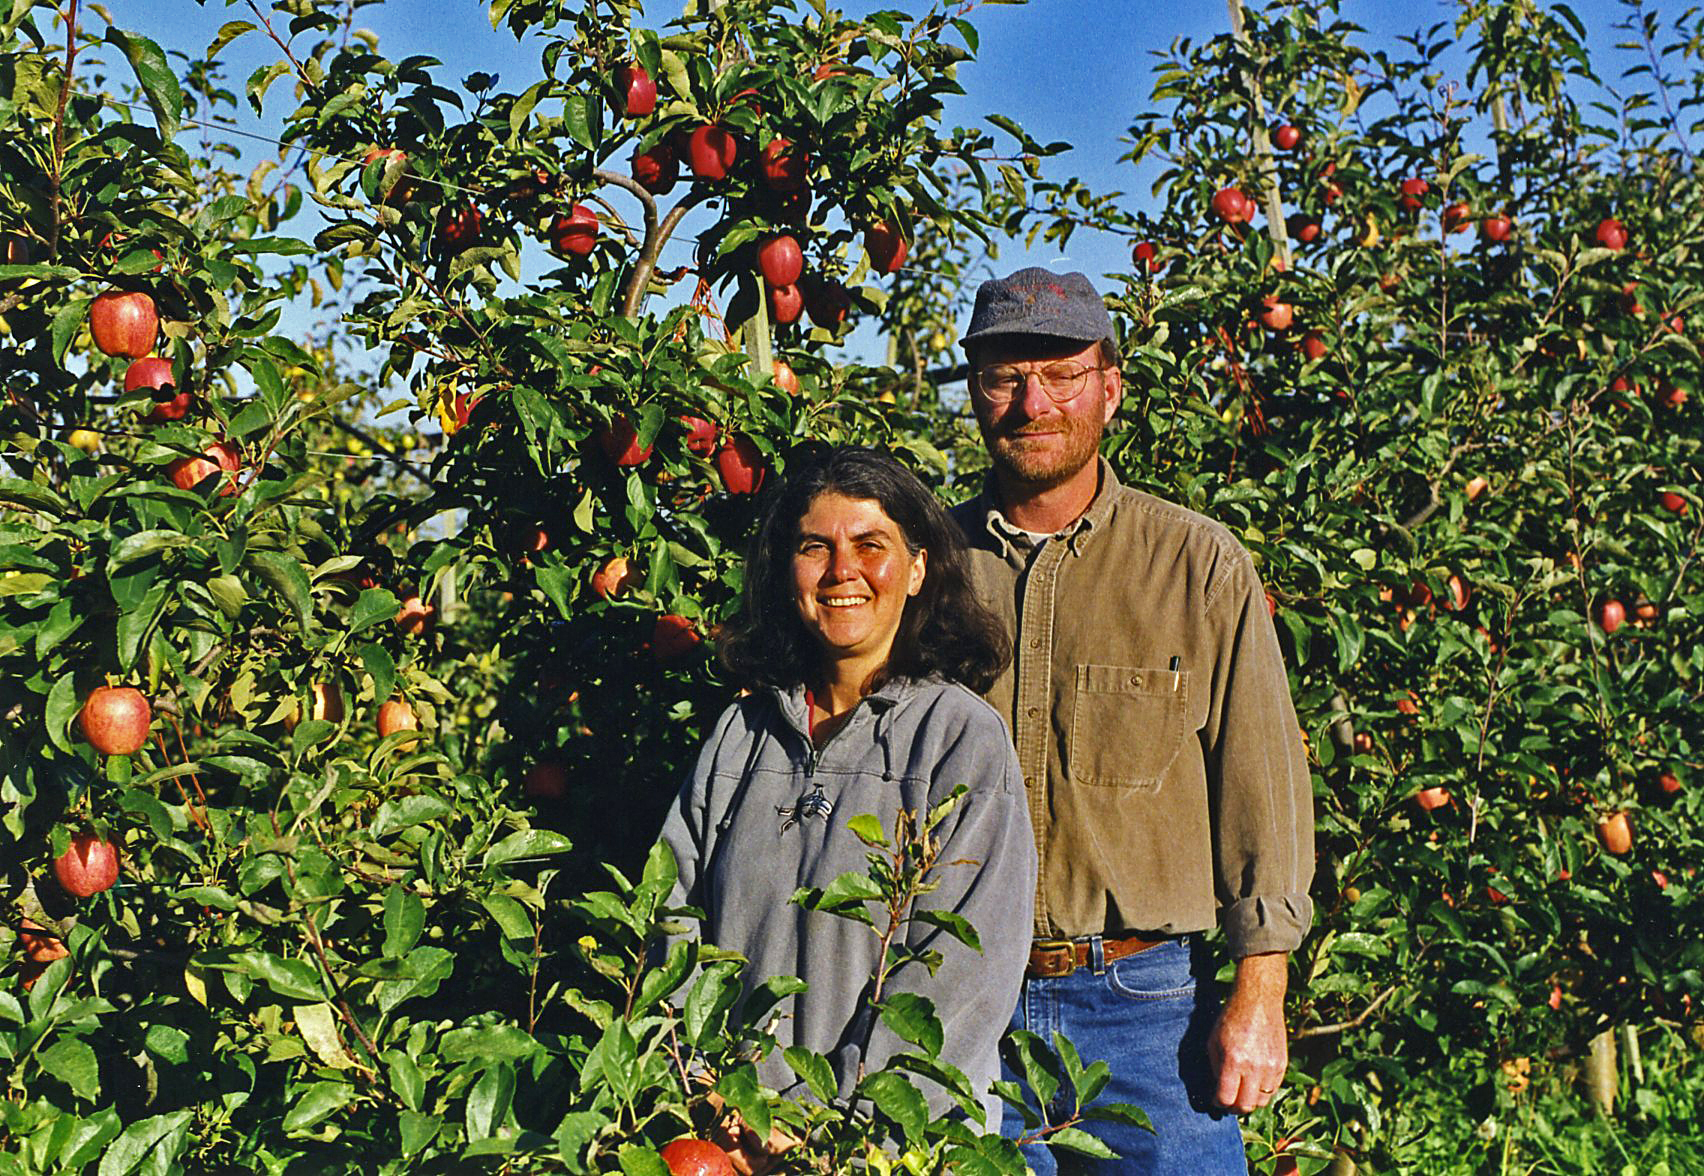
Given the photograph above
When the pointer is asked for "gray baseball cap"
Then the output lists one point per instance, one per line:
(1036, 301)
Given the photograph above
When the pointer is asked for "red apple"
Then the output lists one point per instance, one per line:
(1458, 593)
(401, 189)
(1412, 190)
(1232, 206)
(1615, 834)
(115, 719)
(415, 616)
(1313, 345)
(545, 781)
(827, 302)
(1303, 227)
(1496, 229)
(740, 463)
(458, 227)
(785, 165)
(710, 152)
(1456, 217)
(575, 233)
(785, 378)
(1673, 502)
(396, 715)
(151, 372)
(124, 322)
(1612, 234)
(1611, 614)
(1629, 299)
(620, 442)
(187, 473)
(1275, 314)
(673, 637)
(696, 1157)
(786, 303)
(1286, 137)
(781, 260)
(1672, 395)
(635, 90)
(614, 577)
(88, 867)
(1432, 798)
(1143, 257)
(886, 247)
(656, 170)
(700, 435)
(1669, 783)
(1475, 487)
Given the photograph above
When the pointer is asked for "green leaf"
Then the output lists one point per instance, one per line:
(739, 1089)
(638, 1160)
(319, 1101)
(378, 662)
(953, 924)
(292, 979)
(867, 827)
(72, 1062)
(528, 843)
(712, 995)
(66, 320)
(158, 80)
(156, 1141)
(374, 606)
(405, 1079)
(286, 576)
(814, 1069)
(1075, 1139)
(510, 916)
(228, 32)
(135, 622)
(407, 811)
(913, 1018)
(62, 707)
(405, 918)
(488, 1101)
(417, 1130)
(899, 1100)
(143, 543)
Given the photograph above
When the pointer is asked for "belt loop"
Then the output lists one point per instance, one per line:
(1097, 955)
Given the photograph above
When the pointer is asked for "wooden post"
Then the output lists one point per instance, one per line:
(1275, 227)
(1602, 1079)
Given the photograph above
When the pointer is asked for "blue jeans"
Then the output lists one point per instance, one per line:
(1147, 1016)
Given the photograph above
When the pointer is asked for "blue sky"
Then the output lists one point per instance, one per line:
(1073, 70)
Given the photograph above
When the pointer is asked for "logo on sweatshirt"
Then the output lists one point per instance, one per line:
(814, 805)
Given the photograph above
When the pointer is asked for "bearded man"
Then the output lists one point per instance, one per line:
(1147, 697)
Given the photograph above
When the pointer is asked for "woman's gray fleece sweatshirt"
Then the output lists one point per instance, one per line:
(765, 813)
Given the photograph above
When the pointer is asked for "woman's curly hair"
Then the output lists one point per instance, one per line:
(945, 630)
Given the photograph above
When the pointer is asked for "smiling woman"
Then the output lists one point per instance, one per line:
(859, 637)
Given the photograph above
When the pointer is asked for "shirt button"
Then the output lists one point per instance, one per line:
(1136, 680)
(1034, 712)
(1035, 643)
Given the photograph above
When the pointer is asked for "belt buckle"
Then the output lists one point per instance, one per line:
(1052, 947)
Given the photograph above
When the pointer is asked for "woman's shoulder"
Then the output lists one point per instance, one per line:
(958, 712)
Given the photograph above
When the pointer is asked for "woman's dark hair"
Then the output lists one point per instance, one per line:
(945, 630)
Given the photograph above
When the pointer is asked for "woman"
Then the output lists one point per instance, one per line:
(863, 645)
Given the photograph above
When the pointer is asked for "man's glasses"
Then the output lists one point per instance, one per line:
(1061, 381)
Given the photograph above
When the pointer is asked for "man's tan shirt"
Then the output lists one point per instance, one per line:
(1162, 799)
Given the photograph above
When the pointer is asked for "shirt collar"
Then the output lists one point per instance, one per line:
(1004, 531)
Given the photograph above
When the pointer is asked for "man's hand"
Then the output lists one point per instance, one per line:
(749, 1154)
(1249, 1047)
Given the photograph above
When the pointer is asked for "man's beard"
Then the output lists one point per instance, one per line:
(1043, 469)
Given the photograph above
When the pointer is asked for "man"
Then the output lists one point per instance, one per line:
(1147, 697)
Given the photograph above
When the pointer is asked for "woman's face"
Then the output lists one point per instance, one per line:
(851, 576)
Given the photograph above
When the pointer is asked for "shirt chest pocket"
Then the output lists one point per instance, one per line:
(1127, 724)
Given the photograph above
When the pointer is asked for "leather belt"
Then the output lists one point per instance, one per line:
(1060, 957)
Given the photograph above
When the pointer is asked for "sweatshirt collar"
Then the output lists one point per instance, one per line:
(791, 700)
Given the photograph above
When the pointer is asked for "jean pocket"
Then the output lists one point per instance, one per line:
(1127, 724)
(1160, 973)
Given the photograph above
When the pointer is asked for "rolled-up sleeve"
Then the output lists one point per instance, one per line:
(1257, 773)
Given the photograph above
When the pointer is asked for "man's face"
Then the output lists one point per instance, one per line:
(1035, 440)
